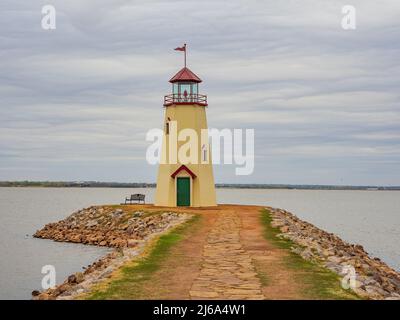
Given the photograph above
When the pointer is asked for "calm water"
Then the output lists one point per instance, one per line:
(371, 218)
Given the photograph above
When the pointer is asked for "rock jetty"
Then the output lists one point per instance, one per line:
(373, 278)
(123, 228)
(106, 226)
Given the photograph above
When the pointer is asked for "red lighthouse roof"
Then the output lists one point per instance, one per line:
(185, 74)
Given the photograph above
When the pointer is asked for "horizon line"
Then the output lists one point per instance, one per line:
(221, 184)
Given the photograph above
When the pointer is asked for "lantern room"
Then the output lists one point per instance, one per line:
(185, 89)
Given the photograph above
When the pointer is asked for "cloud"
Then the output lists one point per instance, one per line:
(76, 102)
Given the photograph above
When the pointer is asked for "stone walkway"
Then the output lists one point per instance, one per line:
(227, 270)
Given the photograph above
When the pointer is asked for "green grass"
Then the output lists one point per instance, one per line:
(129, 285)
(263, 277)
(317, 281)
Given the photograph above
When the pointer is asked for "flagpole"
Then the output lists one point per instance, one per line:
(185, 54)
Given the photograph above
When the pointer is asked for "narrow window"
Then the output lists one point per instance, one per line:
(204, 152)
(167, 128)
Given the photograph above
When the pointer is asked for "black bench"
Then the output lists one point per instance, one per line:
(135, 197)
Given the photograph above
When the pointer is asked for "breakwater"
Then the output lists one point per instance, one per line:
(126, 229)
(373, 279)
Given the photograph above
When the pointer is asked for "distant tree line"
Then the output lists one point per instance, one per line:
(305, 187)
(97, 184)
(75, 184)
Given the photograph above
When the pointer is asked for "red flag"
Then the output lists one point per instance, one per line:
(181, 48)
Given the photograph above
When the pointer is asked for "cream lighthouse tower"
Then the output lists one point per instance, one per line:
(188, 182)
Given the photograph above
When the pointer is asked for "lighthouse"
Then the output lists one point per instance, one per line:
(185, 174)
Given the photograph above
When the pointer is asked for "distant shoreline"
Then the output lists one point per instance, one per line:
(95, 184)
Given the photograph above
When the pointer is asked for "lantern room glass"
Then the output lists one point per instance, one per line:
(175, 88)
(180, 87)
(185, 91)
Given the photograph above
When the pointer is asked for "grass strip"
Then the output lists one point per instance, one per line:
(318, 282)
(128, 284)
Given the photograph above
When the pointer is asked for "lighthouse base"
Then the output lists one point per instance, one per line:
(183, 187)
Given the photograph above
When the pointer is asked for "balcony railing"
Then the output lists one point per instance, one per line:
(177, 98)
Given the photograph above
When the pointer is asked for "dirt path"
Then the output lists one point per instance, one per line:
(227, 270)
(279, 282)
(223, 256)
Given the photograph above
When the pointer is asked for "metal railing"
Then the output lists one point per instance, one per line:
(189, 98)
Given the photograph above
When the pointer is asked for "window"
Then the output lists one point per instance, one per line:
(167, 128)
(204, 153)
(185, 87)
(175, 88)
(195, 88)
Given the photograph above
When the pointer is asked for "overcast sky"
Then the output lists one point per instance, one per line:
(76, 102)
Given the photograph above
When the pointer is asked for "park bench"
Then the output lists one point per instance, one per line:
(135, 197)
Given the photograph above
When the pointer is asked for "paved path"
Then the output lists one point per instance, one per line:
(227, 270)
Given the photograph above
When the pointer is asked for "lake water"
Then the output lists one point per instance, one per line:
(370, 218)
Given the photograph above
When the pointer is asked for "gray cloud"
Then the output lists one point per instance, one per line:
(76, 102)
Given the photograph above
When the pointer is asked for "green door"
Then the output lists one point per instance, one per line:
(183, 192)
